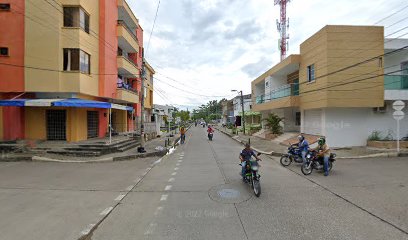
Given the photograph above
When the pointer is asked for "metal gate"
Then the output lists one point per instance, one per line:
(56, 125)
(93, 124)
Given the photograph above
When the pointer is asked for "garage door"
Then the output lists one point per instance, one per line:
(313, 122)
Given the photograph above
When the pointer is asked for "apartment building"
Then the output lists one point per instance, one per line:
(148, 92)
(339, 86)
(68, 69)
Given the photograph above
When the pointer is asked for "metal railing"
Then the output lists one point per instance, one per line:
(395, 82)
(286, 90)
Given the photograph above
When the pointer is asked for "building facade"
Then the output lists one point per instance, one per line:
(339, 86)
(69, 69)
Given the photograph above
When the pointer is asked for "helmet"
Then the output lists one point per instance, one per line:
(301, 138)
(247, 145)
(321, 141)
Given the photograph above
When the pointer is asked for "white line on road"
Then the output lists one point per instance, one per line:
(164, 197)
(129, 188)
(180, 161)
(158, 211)
(176, 168)
(177, 164)
(174, 174)
(120, 197)
(87, 229)
(137, 180)
(150, 229)
(106, 211)
(157, 161)
(168, 188)
(172, 179)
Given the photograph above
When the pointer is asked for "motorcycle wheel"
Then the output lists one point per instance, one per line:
(285, 160)
(307, 169)
(256, 186)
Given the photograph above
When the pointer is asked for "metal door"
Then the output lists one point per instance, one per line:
(56, 124)
(93, 124)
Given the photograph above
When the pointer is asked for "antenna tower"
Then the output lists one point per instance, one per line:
(283, 26)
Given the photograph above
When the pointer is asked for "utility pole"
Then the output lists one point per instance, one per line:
(283, 26)
(243, 113)
(142, 139)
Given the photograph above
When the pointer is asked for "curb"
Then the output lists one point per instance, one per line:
(44, 159)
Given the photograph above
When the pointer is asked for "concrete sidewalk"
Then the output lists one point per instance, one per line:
(269, 147)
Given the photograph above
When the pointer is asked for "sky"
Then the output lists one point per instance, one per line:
(203, 49)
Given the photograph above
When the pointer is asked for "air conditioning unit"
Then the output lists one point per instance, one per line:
(380, 109)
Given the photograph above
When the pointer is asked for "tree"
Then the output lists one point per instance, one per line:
(184, 115)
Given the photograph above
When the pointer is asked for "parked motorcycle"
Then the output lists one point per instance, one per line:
(252, 176)
(315, 162)
(210, 136)
(294, 154)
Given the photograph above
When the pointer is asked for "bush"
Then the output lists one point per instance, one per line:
(375, 136)
(273, 123)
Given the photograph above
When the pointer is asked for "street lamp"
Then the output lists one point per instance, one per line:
(242, 105)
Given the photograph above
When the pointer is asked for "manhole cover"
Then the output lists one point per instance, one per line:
(230, 193)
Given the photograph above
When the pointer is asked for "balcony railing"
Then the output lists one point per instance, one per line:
(121, 22)
(280, 92)
(395, 82)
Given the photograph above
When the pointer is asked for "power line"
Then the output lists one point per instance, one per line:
(154, 23)
(392, 14)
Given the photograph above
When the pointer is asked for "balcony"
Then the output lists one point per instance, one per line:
(127, 40)
(396, 82)
(281, 97)
(396, 87)
(127, 95)
(126, 67)
(126, 14)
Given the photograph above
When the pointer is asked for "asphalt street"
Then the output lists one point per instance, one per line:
(196, 193)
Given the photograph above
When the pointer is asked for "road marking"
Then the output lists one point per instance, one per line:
(176, 168)
(180, 161)
(158, 211)
(177, 164)
(164, 197)
(129, 188)
(174, 174)
(150, 229)
(87, 229)
(168, 188)
(148, 169)
(172, 179)
(106, 211)
(137, 180)
(120, 197)
(157, 161)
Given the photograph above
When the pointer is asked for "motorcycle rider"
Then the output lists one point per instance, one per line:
(323, 151)
(303, 146)
(246, 155)
(209, 130)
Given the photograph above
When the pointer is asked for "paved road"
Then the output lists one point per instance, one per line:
(178, 198)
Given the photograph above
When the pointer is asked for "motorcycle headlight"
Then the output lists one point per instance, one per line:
(255, 168)
(308, 155)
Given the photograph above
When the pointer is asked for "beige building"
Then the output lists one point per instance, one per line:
(333, 88)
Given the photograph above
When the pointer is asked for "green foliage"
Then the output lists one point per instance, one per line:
(255, 127)
(211, 111)
(184, 115)
(377, 136)
(273, 123)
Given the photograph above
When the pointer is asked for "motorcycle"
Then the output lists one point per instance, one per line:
(210, 136)
(182, 138)
(252, 176)
(315, 162)
(293, 155)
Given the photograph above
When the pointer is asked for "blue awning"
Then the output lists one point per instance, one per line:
(70, 102)
(75, 102)
(12, 103)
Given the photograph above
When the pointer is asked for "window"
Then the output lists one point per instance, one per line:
(77, 60)
(4, 51)
(310, 73)
(76, 17)
(4, 6)
(297, 119)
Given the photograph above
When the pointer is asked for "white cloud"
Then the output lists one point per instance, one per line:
(212, 46)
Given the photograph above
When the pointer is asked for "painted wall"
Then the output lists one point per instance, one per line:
(336, 47)
(13, 123)
(12, 78)
(77, 124)
(103, 122)
(108, 15)
(1, 123)
(35, 123)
